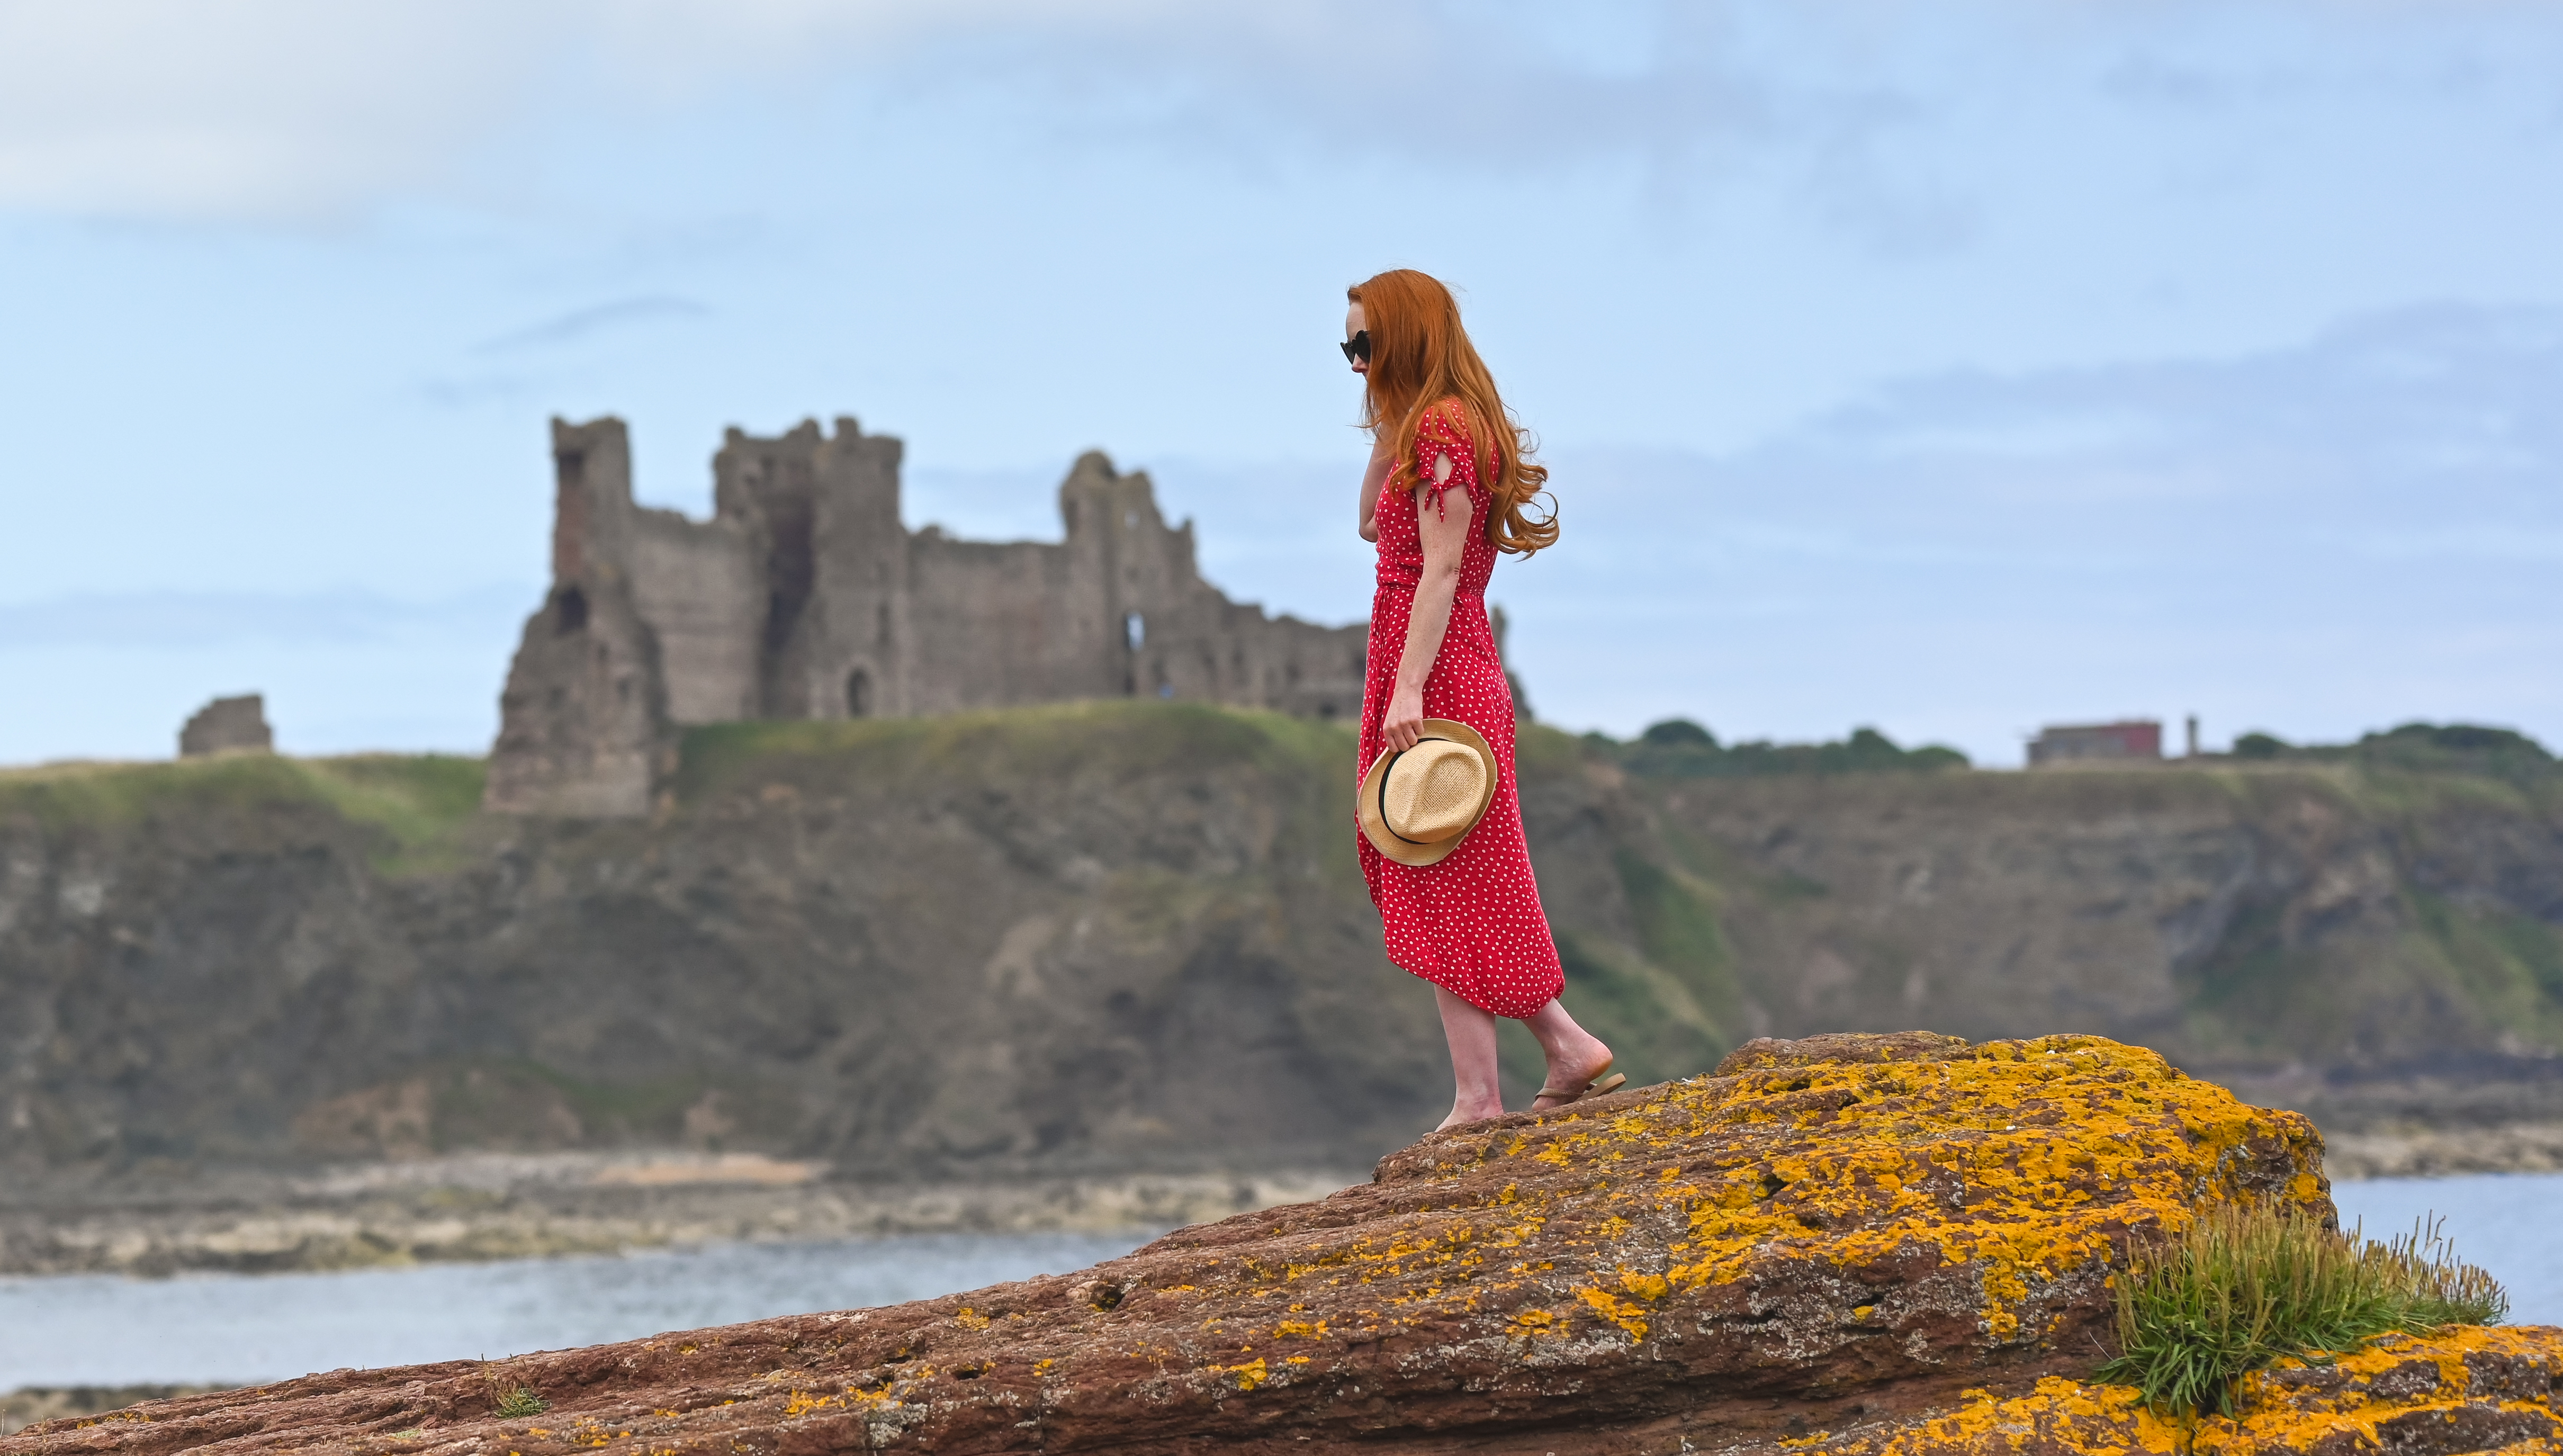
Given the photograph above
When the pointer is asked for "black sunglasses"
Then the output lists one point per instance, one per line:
(1357, 347)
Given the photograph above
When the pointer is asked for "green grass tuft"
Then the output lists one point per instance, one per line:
(509, 1397)
(2242, 1287)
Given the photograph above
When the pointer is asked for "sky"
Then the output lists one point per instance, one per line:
(1951, 369)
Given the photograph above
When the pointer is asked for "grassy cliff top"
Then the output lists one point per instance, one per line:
(420, 800)
(1108, 738)
(416, 801)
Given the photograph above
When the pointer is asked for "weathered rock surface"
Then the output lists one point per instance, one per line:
(1836, 1233)
(22, 1408)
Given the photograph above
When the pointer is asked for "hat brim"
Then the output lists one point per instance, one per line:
(1374, 825)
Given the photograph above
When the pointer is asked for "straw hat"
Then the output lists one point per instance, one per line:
(1418, 805)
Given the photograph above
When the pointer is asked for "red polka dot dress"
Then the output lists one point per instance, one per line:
(1471, 923)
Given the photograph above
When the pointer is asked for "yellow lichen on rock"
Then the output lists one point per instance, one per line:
(2463, 1389)
(2026, 1160)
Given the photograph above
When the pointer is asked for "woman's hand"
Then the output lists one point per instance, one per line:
(1403, 727)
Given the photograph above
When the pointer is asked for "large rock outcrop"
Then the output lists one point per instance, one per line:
(1828, 1239)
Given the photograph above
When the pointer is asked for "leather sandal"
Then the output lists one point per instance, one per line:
(1605, 1081)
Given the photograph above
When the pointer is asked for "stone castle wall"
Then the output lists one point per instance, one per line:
(804, 596)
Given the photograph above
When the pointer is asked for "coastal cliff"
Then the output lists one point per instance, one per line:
(1854, 1244)
(1105, 940)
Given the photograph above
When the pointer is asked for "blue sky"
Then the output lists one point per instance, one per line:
(1953, 369)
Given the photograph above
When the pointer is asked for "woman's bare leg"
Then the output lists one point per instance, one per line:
(1575, 1056)
(1472, 1061)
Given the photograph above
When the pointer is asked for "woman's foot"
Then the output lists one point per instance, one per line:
(1479, 1096)
(1573, 1067)
(1463, 1115)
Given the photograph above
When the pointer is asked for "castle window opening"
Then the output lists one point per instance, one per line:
(858, 694)
(1130, 518)
(1135, 630)
(570, 612)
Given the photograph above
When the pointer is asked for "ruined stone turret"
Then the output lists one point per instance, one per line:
(228, 725)
(806, 597)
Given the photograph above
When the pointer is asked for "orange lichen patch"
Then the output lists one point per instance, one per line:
(1244, 1377)
(1645, 1286)
(2465, 1389)
(1620, 1312)
(2495, 1384)
(2060, 1415)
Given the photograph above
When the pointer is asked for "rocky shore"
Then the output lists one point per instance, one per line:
(484, 1206)
(1850, 1244)
(509, 1206)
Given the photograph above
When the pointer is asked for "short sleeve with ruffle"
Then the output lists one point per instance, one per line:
(1443, 431)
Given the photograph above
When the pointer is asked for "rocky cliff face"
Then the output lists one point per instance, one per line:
(1108, 937)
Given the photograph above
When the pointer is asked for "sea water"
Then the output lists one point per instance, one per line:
(246, 1329)
(2510, 1223)
(83, 1329)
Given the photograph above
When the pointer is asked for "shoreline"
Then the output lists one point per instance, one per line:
(485, 1207)
(474, 1208)
(2415, 1151)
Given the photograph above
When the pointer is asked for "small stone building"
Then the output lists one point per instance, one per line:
(228, 725)
(2138, 739)
(804, 596)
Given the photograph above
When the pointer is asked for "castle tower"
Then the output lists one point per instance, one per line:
(834, 570)
(583, 719)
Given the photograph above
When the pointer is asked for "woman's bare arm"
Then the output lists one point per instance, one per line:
(1381, 458)
(1446, 538)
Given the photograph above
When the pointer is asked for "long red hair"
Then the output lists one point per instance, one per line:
(1420, 357)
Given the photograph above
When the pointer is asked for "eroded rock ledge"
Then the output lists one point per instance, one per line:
(1852, 1242)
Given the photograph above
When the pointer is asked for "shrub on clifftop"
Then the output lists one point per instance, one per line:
(1680, 749)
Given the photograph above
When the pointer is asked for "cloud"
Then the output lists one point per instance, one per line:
(1906, 134)
(300, 110)
(580, 324)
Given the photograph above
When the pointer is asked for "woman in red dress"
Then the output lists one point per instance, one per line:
(1448, 488)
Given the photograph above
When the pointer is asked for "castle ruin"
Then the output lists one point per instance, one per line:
(804, 596)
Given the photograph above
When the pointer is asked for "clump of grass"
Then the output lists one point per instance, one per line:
(509, 1397)
(2243, 1286)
